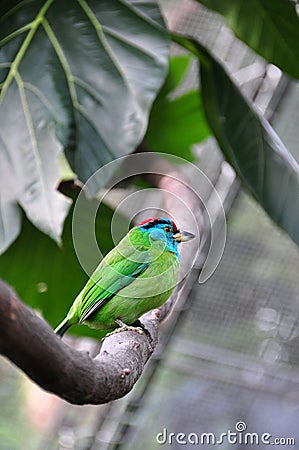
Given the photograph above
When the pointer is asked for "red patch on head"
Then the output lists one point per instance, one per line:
(175, 228)
(152, 219)
(156, 220)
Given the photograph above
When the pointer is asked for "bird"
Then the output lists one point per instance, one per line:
(136, 276)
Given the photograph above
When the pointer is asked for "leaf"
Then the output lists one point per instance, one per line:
(176, 124)
(177, 69)
(27, 177)
(76, 75)
(270, 27)
(49, 277)
(249, 143)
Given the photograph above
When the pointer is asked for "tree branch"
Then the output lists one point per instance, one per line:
(31, 344)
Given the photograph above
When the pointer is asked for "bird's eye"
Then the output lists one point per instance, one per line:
(167, 229)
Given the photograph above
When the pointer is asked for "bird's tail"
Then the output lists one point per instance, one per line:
(63, 327)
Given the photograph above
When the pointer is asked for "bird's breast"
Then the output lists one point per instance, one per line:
(160, 277)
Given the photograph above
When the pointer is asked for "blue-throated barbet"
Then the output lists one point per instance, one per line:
(138, 275)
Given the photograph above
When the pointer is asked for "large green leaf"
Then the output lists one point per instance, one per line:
(249, 143)
(74, 74)
(270, 27)
(176, 121)
(49, 277)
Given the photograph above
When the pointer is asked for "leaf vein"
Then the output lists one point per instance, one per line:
(63, 61)
(23, 48)
(32, 135)
(30, 87)
(15, 33)
(98, 28)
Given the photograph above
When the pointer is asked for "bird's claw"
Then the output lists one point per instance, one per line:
(138, 330)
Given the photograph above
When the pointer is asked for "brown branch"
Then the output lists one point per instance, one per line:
(31, 344)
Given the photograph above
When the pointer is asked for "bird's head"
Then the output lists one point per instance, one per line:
(165, 230)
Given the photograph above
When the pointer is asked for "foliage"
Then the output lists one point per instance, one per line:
(249, 143)
(270, 27)
(73, 74)
(182, 112)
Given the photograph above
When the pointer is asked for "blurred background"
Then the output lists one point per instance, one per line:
(232, 354)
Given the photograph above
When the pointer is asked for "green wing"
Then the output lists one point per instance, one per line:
(119, 269)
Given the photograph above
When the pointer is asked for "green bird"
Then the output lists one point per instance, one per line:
(138, 275)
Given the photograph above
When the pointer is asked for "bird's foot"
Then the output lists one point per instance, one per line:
(139, 324)
(123, 327)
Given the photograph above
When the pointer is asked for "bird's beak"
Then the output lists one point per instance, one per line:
(183, 236)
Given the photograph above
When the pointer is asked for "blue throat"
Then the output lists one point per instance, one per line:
(157, 233)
